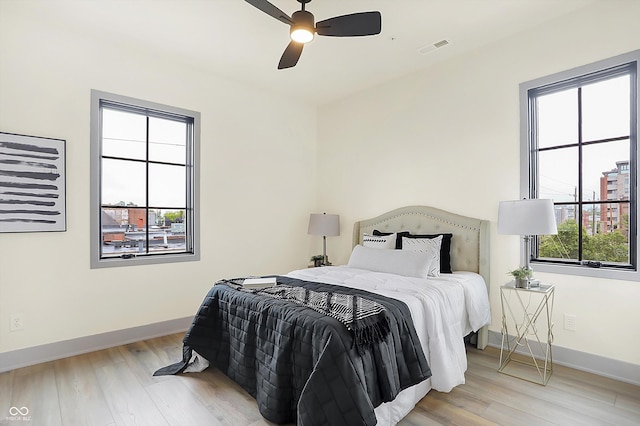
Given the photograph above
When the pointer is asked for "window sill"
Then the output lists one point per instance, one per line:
(607, 273)
(144, 260)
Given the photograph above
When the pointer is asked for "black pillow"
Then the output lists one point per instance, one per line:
(445, 247)
(398, 237)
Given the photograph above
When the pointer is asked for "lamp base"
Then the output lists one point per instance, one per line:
(527, 283)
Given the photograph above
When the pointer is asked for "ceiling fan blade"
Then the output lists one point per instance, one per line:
(353, 25)
(271, 10)
(291, 55)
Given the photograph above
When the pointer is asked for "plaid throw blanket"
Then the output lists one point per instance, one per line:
(365, 319)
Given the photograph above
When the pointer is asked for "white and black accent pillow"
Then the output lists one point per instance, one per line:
(379, 241)
(445, 248)
(430, 247)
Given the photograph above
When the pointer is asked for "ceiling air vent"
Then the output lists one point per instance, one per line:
(433, 46)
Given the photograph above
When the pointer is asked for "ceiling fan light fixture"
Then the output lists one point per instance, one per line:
(302, 29)
(301, 35)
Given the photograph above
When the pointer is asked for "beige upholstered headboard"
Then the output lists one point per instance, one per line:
(469, 245)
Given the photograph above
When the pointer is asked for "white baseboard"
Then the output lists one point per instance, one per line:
(57, 350)
(596, 364)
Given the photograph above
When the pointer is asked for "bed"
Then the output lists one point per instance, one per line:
(306, 367)
(469, 246)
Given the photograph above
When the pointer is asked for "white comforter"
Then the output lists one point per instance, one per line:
(443, 309)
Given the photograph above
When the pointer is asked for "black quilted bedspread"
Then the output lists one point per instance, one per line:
(300, 365)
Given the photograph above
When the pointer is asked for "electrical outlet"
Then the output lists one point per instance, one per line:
(569, 322)
(16, 323)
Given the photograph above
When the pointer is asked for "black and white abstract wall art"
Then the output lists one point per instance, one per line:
(32, 184)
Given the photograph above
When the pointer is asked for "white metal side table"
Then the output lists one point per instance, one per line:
(527, 329)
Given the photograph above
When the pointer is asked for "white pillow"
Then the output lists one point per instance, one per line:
(430, 247)
(379, 241)
(405, 263)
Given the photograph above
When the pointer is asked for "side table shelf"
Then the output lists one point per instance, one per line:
(527, 332)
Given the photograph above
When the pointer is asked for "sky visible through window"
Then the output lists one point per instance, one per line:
(606, 114)
(124, 136)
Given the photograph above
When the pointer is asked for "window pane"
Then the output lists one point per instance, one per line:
(605, 109)
(167, 186)
(557, 115)
(124, 134)
(118, 236)
(558, 174)
(564, 245)
(605, 171)
(171, 231)
(167, 141)
(610, 243)
(123, 182)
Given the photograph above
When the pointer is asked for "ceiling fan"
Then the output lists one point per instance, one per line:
(303, 27)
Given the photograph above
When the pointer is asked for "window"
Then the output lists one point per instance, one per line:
(144, 182)
(579, 148)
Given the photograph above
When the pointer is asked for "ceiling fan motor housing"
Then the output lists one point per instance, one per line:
(303, 20)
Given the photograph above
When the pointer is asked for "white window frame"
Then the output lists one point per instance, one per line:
(526, 174)
(193, 186)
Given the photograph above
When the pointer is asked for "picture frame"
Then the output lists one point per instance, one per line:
(32, 184)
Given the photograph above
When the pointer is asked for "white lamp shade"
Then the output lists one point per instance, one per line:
(326, 225)
(527, 217)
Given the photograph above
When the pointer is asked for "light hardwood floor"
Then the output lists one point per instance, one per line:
(115, 387)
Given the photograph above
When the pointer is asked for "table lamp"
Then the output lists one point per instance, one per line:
(527, 218)
(327, 225)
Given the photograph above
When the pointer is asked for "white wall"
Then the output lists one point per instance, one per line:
(449, 137)
(248, 161)
(446, 137)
